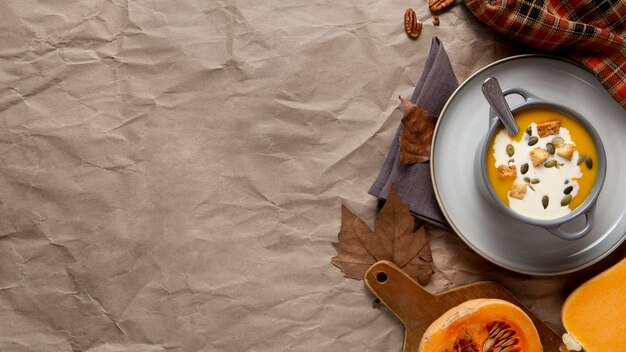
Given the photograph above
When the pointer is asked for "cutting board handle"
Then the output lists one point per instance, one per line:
(409, 301)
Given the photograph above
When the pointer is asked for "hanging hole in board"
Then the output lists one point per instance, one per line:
(381, 277)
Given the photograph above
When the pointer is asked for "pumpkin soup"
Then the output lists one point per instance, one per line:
(546, 170)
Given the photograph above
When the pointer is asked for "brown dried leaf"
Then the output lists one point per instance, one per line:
(393, 239)
(417, 133)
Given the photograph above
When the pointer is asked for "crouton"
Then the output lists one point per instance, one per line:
(506, 171)
(518, 191)
(538, 156)
(566, 151)
(548, 128)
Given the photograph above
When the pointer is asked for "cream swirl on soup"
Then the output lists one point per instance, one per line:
(545, 170)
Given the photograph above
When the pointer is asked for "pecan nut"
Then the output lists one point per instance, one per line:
(412, 25)
(439, 5)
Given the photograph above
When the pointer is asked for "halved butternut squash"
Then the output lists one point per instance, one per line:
(594, 315)
(482, 325)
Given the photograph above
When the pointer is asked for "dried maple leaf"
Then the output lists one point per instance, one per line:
(417, 133)
(393, 239)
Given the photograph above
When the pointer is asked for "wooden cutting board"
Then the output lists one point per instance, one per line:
(418, 308)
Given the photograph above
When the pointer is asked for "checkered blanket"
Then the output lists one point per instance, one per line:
(593, 33)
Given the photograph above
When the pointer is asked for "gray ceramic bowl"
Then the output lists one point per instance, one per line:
(553, 225)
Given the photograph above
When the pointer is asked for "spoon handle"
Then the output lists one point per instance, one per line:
(493, 93)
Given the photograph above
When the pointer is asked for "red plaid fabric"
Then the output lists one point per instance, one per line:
(590, 32)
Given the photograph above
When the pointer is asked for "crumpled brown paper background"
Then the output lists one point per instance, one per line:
(171, 172)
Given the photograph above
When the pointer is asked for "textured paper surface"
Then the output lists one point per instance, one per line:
(171, 172)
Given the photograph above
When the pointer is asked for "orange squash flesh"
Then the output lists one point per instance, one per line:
(595, 313)
(482, 325)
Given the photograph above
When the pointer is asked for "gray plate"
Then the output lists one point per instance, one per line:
(502, 240)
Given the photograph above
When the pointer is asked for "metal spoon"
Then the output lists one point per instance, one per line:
(493, 93)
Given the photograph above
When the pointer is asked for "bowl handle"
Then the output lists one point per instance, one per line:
(523, 92)
(493, 118)
(589, 217)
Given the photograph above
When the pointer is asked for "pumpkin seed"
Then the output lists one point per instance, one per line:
(589, 162)
(581, 159)
(487, 345)
(531, 187)
(534, 181)
(566, 181)
(551, 163)
(510, 150)
(529, 130)
(533, 140)
(511, 161)
(524, 168)
(568, 189)
(527, 179)
(545, 201)
(557, 140)
(550, 148)
(566, 200)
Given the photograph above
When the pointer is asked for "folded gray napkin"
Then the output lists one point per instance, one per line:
(413, 182)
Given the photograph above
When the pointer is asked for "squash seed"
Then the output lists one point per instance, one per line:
(487, 345)
(545, 201)
(550, 148)
(568, 189)
(581, 159)
(529, 130)
(557, 140)
(551, 163)
(589, 162)
(566, 200)
(524, 168)
(510, 150)
(534, 181)
(527, 179)
(533, 140)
